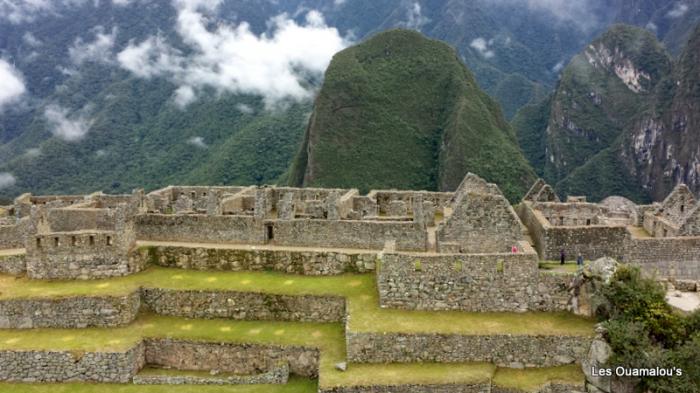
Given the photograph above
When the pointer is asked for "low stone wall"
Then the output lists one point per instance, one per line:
(309, 262)
(469, 282)
(277, 375)
(669, 257)
(244, 305)
(483, 387)
(72, 312)
(503, 350)
(229, 357)
(63, 366)
(12, 236)
(15, 265)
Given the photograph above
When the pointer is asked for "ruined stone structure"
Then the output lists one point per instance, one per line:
(663, 238)
(462, 251)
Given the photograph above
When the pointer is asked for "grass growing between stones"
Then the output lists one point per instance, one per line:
(532, 379)
(359, 289)
(295, 385)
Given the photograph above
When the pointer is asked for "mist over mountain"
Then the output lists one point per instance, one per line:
(116, 94)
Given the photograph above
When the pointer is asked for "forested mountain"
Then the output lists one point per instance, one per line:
(622, 120)
(402, 111)
(115, 94)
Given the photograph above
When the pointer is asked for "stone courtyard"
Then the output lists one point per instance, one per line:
(328, 289)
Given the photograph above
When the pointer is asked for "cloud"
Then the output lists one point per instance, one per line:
(580, 13)
(7, 180)
(651, 26)
(33, 152)
(414, 17)
(31, 40)
(20, 11)
(243, 108)
(679, 9)
(99, 50)
(228, 58)
(67, 128)
(197, 141)
(482, 46)
(558, 67)
(11, 84)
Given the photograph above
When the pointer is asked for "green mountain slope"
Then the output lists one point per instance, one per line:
(621, 120)
(402, 111)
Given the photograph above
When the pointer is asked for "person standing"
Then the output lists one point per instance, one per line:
(579, 260)
(562, 256)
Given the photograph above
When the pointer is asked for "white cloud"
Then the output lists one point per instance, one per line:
(230, 58)
(184, 95)
(558, 67)
(414, 17)
(580, 13)
(243, 108)
(20, 11)
(69, 128)
(7, 180)
(482, 46)
(679, 9)
(11, 84)
(33, 152)
(339, 2)
(31, 40)
(651, 26)
(197, 141)
(98, 50)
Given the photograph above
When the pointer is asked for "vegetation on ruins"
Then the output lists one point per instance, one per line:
(645, 332)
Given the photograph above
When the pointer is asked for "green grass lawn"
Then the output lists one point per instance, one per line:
(295, 385)
(531, 379)
(557, 267)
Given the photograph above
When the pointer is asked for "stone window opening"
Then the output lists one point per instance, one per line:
(588, 221)
(270, 232)
(109, 240)
(92, 240)
(73, 240)
(561, 220)
(38, 242)
(56, 241)
(682, 208)
(194, 195)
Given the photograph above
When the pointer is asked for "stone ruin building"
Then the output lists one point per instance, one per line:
(428, 251)
(662, 238)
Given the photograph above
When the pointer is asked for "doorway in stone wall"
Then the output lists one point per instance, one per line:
(269, 233)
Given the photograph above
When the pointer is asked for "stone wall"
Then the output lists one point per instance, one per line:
(71, 312)
(229, 357)
(64, 366)
(592, 242)
(357, 234)
(84, 255)
(570, 214)
(71, 219)
(13, 264)
(503, 350)
(308, 262)
(479, 223)
(12, 236)
(244, 305)
(469, 282)
(200, 228)
(551, 387)
(670, 257)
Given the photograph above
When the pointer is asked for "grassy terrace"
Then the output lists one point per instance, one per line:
(365, 315)
(360, 290)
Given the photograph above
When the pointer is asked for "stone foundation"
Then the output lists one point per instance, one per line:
(244, 305)
(503, 350)
(277, 375)
(483, 387)
(470, 282)
(72, 312)
(14, 265)
(230, 357)
(64, 366)
(308, 262)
